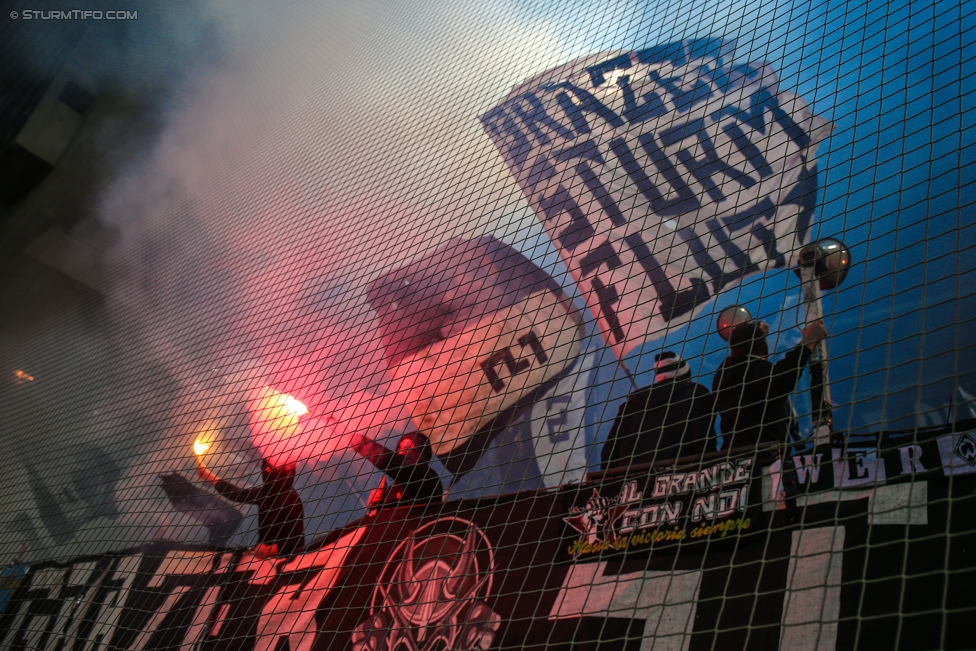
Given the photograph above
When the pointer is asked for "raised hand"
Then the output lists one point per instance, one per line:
(813, 334)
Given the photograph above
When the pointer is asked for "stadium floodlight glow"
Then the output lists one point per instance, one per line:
(729, 318)
(832, 260)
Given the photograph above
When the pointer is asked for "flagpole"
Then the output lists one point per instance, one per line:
(630, 376)
(823, 419)
(822, 265)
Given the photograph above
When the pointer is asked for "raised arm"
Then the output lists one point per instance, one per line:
(227, 489)
(418, 479)
(377, 454)
(779, 380)
(786, 372)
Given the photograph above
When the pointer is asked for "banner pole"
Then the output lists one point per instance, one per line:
(822, 265)
(630, 376)
(823, 420)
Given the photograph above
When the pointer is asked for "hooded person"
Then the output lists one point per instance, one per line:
(751, 393)
(281, 518)
(408, 466)
(669, 419)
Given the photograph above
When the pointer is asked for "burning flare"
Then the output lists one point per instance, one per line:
(278, 413)
(208, 433)
(293, 406)
(285, 431)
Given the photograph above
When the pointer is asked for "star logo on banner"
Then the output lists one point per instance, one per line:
(596, 521)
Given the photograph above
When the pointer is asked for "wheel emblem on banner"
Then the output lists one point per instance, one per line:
(966, 449)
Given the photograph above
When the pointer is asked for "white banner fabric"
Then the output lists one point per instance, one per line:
(661, 179)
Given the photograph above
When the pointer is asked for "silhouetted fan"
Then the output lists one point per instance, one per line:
(219, 516)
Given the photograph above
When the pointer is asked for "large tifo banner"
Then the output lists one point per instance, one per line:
(472, 332)
(662, 177)
(696, 556)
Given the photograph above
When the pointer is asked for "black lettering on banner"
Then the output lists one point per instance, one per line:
(70, 601)
(530, 339)
(763, 233)
(653, 268)
(804, 195)
(700, 254)
(598, 71)
(748, 217)
(39, 616)
(535, 119)
(541, 170)
(554, 424)
(602, 195)
(636, 173)
(653, 106)
(713, 269)
(792, 129)
(607, 297)
(684, 100)
(749, 150)
(507, 135)
(598, 255)
(686, 300)
(732, 252)
(703, 170)
(719, 76)
(670, 52)
(808, 468)
(503, 355)
(744, 266)
(59, 610)
(587, 104)
(686, 201)
(911, 459)
(588, 151)
(859, 463)
(671, 303)
(755, 117)
(97, 612)
(579, 230)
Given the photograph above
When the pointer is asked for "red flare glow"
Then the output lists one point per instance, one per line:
(277, 413)
(293, 406)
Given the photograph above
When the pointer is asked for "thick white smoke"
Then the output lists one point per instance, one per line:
(327, 144)
(311, 147)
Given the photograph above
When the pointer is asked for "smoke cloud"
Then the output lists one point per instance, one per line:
(299, 151)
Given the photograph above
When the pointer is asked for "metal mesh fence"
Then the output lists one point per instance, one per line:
(489, 325)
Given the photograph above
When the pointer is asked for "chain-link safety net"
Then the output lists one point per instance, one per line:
(402, 325)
